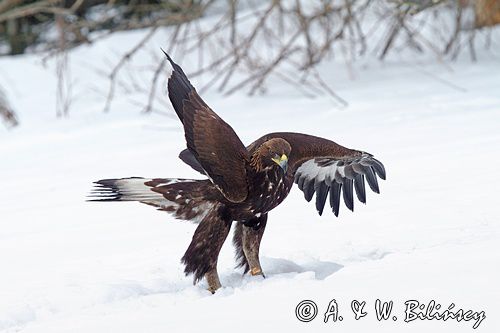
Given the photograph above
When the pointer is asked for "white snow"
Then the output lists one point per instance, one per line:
(433, 233)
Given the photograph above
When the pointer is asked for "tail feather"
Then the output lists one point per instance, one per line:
(124, 189)
(182, 197)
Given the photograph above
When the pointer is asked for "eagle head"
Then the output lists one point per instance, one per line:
(272, 153)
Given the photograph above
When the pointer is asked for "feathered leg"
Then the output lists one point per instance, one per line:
(247, 238)
(241, 260)
(202, 254)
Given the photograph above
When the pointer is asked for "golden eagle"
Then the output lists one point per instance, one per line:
(244, 183)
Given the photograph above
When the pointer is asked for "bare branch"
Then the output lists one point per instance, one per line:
(6, 112)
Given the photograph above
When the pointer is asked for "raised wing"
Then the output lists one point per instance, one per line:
(213, 143)
(326, 168)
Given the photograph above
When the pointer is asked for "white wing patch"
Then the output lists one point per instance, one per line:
(328, 175)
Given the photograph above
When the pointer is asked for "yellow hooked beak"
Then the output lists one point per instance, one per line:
(282, 162)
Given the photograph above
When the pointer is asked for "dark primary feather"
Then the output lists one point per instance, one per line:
(379, 169)
(321, 194)
(335, 197)
(348, 197)
(309, 190)
(371, 178)
(178, 87)
(359, 186)
(300, 183)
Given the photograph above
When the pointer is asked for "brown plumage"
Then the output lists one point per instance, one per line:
(244, 183)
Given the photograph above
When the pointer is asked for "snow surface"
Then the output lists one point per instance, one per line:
(433, 233)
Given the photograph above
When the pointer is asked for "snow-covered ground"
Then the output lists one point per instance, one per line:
(433, 234)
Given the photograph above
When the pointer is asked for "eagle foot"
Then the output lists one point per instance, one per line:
(257, 271)
(213, 281)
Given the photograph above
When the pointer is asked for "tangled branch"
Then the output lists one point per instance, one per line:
(245, 45)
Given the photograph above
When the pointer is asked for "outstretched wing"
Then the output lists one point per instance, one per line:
(323, 167)
(335, 174)
(213, 143)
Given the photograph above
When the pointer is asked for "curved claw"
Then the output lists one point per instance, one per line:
(257, 271)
